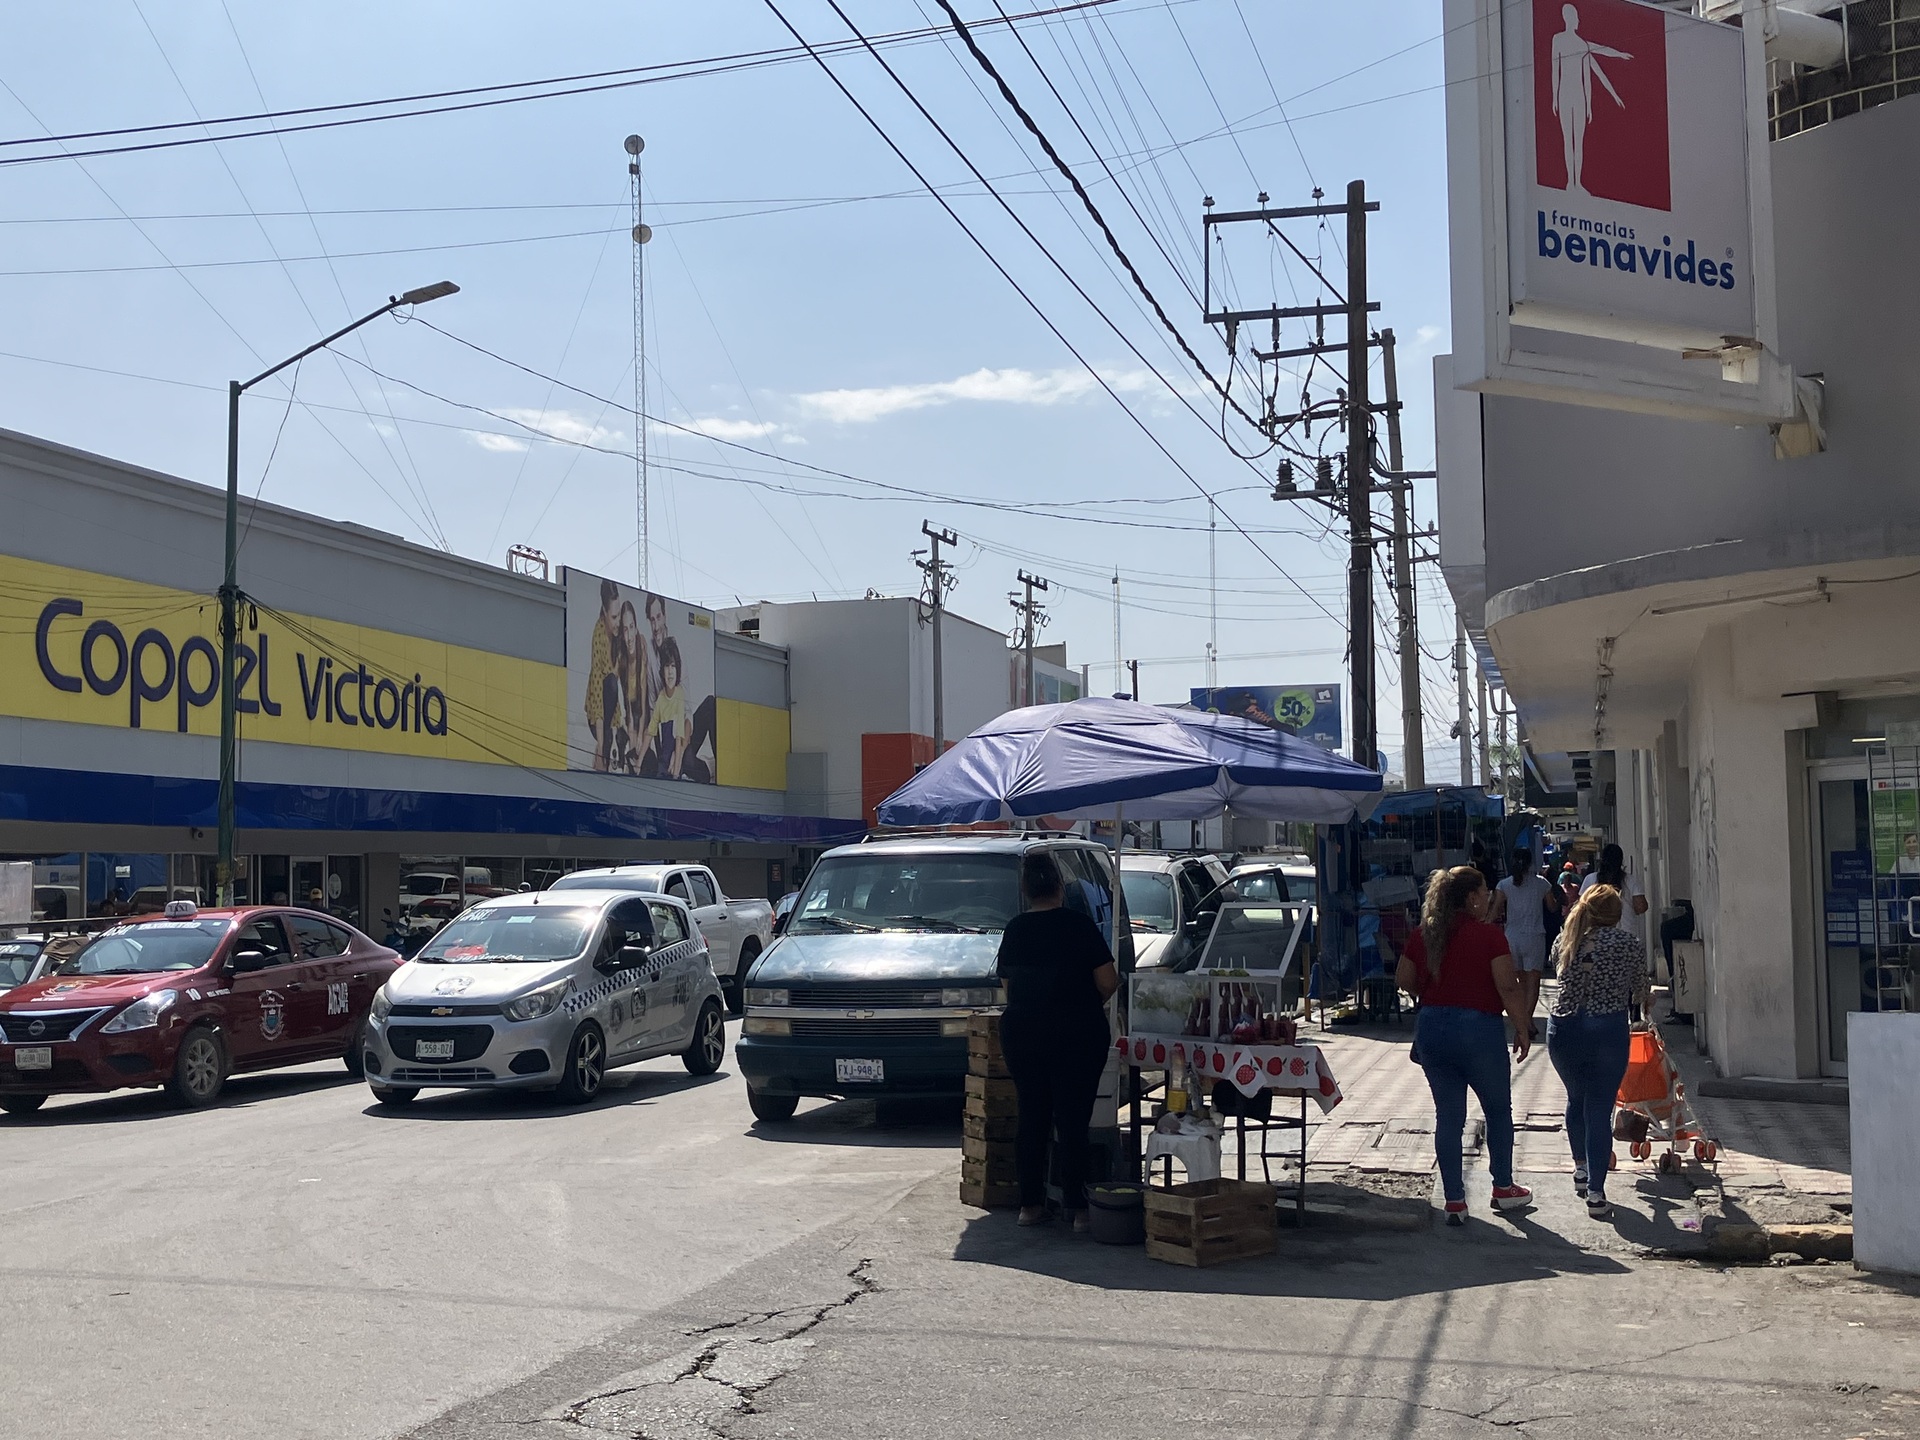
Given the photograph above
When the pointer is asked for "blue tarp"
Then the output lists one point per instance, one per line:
(1084, 759)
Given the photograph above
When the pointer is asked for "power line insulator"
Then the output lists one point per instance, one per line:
(1284, 484)
(1323, 473)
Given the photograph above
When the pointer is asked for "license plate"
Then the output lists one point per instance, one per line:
(859, 1072)
(433, 1049)
(39, 1057)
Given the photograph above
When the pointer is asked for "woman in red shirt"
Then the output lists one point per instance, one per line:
(1459, 969)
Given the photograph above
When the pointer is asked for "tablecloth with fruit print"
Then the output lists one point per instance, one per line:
(1249, 1068)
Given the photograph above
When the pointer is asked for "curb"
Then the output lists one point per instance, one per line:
(1803, 1092)
(1758, 1242)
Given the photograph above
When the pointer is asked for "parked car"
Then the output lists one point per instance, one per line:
(547, 990)
(1166, 896)
(889, 953)
(736, 930)
(21, 959)
(185, 999)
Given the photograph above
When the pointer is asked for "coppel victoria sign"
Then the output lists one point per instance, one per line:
(107, 651)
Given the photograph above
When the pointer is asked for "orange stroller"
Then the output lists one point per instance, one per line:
(1653, 1106)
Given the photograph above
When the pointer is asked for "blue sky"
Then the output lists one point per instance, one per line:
(805, 296)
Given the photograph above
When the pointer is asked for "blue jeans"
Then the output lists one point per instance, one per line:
(1461, 1048)
(1590, 1052)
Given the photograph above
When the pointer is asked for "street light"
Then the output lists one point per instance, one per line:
(230, 586)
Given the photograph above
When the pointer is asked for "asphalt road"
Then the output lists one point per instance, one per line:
(297, 1262)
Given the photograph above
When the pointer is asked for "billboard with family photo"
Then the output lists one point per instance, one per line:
(639, 682)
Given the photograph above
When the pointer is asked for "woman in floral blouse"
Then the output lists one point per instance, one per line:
(1603, 971)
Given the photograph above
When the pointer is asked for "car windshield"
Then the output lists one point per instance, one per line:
(512, 932)
(1149, 900)
(879, 891)
(147, 948)
(16, 961)
(426, 884)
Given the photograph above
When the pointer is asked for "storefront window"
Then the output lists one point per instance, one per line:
(121, 884)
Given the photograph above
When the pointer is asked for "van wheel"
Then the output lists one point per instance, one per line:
(394, 1095)
(709, 1045)
(21, 1104)
(199, 1069)
(772, 1108)
(586, 1066)
(735, 986)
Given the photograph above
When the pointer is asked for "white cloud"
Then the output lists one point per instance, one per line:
(721, 428)
(1007, 387)
(565, 425)
(500, 444)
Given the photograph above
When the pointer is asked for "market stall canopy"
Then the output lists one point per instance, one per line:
(1083, 759)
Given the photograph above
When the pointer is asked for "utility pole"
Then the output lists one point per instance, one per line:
(641, 234)
(1486, 763)
(1506, 776)
(1116, 625)
(1133, 669)
(1359, 482)
(1413, 736)
(1032, 617)
(1464, 725)
(937, 586)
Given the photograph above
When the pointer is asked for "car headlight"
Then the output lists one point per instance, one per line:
(142, 1014)
(382, 1004)
(765, 1025)
(536, 1003)
(757, 996)
(972, 995)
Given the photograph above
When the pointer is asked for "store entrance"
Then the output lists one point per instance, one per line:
(1867, 816)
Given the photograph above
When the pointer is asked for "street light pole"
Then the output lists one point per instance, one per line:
(230, 583)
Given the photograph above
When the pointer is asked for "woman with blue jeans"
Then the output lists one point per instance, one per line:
(1603, 971)
(1459, 968)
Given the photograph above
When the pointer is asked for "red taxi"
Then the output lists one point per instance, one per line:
(187, 998)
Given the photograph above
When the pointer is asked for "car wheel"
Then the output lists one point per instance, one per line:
(356, 1056)
(586, 1066)
(21, 1104)
(774, 1108)
(734, 988)
(199, 1069)
(394, 1094)
(709, 1045)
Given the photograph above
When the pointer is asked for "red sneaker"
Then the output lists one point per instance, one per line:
(1456, 1212)
(1511, 1197)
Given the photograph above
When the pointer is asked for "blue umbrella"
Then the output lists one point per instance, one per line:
(1088, 759)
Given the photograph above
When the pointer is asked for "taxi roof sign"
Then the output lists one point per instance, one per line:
(181, 910)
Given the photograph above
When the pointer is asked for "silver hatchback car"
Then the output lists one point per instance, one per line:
(547, 990)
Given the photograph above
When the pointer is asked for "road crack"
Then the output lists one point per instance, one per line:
(688, 1396)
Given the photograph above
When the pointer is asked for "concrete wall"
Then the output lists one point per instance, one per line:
(1883, 1057)
(1638, 485)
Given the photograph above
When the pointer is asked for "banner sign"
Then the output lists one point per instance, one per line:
(93, 649)
(640, 682)
(1608, 182)
(1309, 711)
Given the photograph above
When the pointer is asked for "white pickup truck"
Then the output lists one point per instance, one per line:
(736, 931)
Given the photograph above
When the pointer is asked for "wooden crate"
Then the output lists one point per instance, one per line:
(988, 1197)
(1209, 1222)
(991, 1099)
(998, 1170)
(979, 1127)
(984, 1056)
(996, 1155)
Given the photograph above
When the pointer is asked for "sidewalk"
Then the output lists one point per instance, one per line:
(1384, 1126)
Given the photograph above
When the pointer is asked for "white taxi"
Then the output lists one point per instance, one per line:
(547, 990)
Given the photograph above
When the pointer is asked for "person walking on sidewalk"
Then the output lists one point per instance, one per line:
(1520, 906)
(1460, 970)
(1603, 971)
(1059, 975)
(1611, 870)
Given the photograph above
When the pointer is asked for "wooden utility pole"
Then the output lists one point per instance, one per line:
(1413, 738)
(937, 586)
(1359, 484)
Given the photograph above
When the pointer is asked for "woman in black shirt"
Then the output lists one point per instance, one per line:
(1059, 973)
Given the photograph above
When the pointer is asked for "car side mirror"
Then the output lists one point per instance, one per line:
(635, 955)
(245, 961)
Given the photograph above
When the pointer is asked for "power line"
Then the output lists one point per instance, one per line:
(1007, 275)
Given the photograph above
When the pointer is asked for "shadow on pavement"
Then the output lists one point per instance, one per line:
(894, 1124)
(119, 1107)
(1308, 1263)
(639, 1087)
